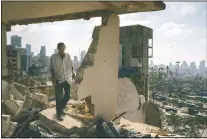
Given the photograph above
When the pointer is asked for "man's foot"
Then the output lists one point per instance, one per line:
(59, 118)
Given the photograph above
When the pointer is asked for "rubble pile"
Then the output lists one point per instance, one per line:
(33, 114)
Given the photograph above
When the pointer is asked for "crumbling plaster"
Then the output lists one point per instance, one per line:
(99, 72)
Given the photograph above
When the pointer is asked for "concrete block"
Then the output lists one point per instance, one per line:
(22, 110)
(128, 100)
(10, 106)
(15, 92)
(153, 115)
(48, 117)
(21, 88)
(8, 127)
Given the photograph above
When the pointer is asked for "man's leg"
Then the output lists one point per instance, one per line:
(66, 97)
(59, 97)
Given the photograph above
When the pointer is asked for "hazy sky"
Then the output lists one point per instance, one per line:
(180, 32)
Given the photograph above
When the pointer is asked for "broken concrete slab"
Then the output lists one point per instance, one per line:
(130, 100)
(48, 117)
(39, 97)
(15, 92)
(23, 109)
(82, 115)
(10, 106)
(139, 127)
(5, 127)
(204, 134)
(105, 56)
(21, 88)
(7, 118)
(8, 127)
(152, 114)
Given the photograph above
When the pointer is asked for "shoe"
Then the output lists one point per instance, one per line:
(59, 118)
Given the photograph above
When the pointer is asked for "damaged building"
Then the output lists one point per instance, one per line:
(101, 90)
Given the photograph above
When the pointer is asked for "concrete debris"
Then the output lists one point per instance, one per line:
(8, 127)
(31, 114)
(10, 106)
(129, 99)
(23, 110)
(39, 100)
(152, 114)
(15, 92)
(21, 88)
(48, 117)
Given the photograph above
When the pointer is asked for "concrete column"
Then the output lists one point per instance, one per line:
(101, 80)
(4, 60)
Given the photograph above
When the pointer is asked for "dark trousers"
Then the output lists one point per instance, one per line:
(61, 98)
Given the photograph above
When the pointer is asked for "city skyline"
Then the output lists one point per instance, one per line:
(178, 37)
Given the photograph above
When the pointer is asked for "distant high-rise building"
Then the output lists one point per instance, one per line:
(193, 67)
(184, 67)
(16, 41)
(28, 49)
(170, 66)
(202, 65)
(55, 51)
(83, 54)
(43, 51)
(25, 62)
(75, 58)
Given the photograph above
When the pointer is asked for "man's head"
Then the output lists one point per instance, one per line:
(61, 48)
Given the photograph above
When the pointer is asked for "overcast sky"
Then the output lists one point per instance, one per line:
(180, 32)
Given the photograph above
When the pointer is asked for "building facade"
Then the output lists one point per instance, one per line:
(14, 58)
(136, 44)
(16, 41)
(43, 51)
(25, 62)
(28, 49)
(202, 66)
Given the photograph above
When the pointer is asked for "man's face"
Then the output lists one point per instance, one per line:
(62, 49)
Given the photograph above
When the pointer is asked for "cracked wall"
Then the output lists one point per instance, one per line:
(130, 100)
(98, 75)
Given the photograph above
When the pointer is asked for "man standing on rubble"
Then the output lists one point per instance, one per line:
(62, 72)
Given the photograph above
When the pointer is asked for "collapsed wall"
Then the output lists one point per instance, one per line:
(98, 74)
(138, 110)
(130, 100)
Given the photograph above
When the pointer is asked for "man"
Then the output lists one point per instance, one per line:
(62, 76)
